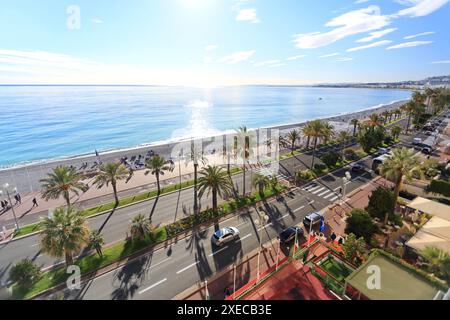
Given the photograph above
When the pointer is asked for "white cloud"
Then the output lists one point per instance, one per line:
(420, 8)
(361, 1)
(329, 55)
(211, 47)
(266, 63)
(409, 44)
(277, 65)
(350, 23)
(296, 57)
(207, 60)
(376, 35)
(375, 44)
(344, 59)
(247, 15)
(97, 20)
(441, 62)
(237, 57)
(418, 35)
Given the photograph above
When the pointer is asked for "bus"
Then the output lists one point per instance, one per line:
(377, 161)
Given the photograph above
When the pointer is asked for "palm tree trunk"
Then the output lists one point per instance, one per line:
(407, 125)
(243, 179)
(398, 185)
(114, 186)
(314, 152)
(67, 198)
(157, 182)
(214, 201)
(69, 258)
(307, 142)
(354, 130)
(195, 188)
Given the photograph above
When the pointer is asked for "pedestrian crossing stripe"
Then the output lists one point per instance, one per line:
(318, 190)
(331, 194)
(325, 192)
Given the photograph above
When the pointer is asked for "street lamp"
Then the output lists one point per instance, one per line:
(14, 190)
(345, 181)
(264, 218)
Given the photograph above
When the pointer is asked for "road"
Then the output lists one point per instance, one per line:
(114, 225)
(164, 273)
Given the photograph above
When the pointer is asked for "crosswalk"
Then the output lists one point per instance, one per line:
(322, 191)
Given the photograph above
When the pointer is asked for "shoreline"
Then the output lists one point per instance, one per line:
(341, 117)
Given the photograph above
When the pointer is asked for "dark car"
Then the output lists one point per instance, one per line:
(312, 219)
(358, 167)
(288, 235)
(427, 150)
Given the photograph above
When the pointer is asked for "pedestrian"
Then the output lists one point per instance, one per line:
(35, 203)
(227, 292)
(3, 205)
(19, 198)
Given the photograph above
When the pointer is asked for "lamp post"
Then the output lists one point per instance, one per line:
(6, 188)
(261, 223)
(345, 180)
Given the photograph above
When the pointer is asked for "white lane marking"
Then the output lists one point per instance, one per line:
(323, 193)
(311, 202)
(336, 189)
(308, 186)
(189, 266)
(318, 190)
(281, 218)
(157, 264)
(34, 245)
(267, 225)
(310, 190)
(245, 237)
(299, 208)
(335, 198)
(152, 286)
(331, 194)
(218, 251)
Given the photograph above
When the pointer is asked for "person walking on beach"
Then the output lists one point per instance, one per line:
(35, 203)
(3, 205)
(130, 175)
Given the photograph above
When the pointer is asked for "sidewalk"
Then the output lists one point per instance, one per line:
(336, 213)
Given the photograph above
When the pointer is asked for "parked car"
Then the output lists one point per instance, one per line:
(427, 150)
(225, 235)
(416, 141)
(358, 167)
(288, 235)
(312, 219)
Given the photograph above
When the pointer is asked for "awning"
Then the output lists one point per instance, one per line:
(431, 207)
(435, 233)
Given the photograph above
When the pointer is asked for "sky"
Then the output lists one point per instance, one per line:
(222, 42)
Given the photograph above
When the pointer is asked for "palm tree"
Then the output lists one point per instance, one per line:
(228, 153)
(385, 115)
(140, 227)
(307, 131)
(343, 137)
(195, 156)
(437, 258)
(317, 128)
(400, 165)
(61, 182)
(243, 150)
(157, 166)
(374, 121)
(293, 136)
(354, 123)
(96, 242)
(215, 181)
(429, 95)
(64, 234)
(328, 132)
(111, 173)
(261, 182)
(410, 108)
(395, 131)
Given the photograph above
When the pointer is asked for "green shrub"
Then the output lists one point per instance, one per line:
(331, 158)
(439, 187)
(350, 154)
(381, 201)
(306, 175)
(25, 273)
(318, 167)
(360, 224)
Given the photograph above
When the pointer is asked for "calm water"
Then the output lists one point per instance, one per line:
(39, 123)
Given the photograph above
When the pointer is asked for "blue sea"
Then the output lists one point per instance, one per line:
(46, 122)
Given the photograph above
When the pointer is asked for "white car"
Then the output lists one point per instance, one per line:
(225, 235)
